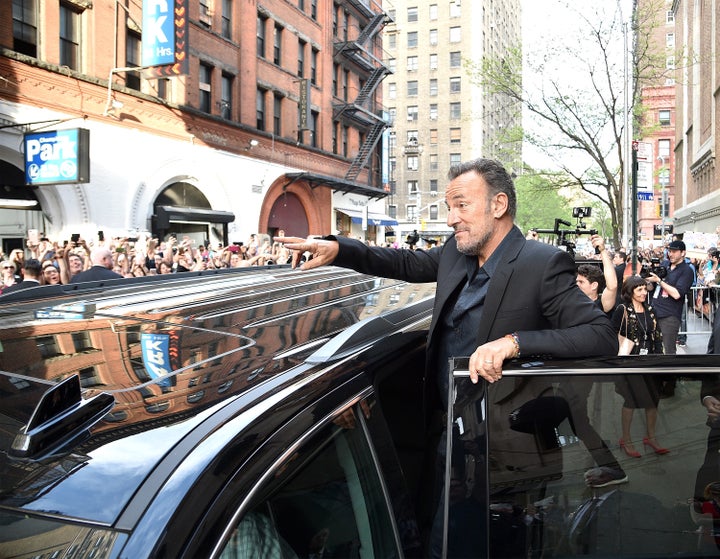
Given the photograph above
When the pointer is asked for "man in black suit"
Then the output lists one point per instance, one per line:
(499, 295)
(101, 269)
(32, 269)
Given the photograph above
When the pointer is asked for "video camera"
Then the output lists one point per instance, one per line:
(579, 213)
(653, 267)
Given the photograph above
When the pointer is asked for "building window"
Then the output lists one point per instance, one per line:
(226, 96)
(433, 111)
(433, 37)
(413, 162)
(133, 58)
(455, 35)
(261, 25)
(412, 187)
(455, 85)
(412, 14)
(664, 117)
(205, 13)
(163, 90)
(412, 63)
(344, 141)
(433, 61)
(433, 162)
(455, 159)
(433, 187)
(669, 17)
(411, 212)
(412, 87)
(277, 45)
(455, 135)
(69, 37)
(313, 9)
(260, 109)
(392, 91)
(412, 112)
(433, 136)
(24, 13)
(301, 58)
(670, 63)
(392, 211)
(670, 40)
(205, 86)
(433, 88)
(277, 114)
(392, 41)
(455, 8)
(433, 12)
(301, 5)
(392, 65)
(345, 83)
(313, 128)
(455, 59)
(412, 39)
(313, 66)
(433, 212)
(392, 114)
(455, 111)
(336, 70)
(412, 137)
(664, 151)
(226, 28)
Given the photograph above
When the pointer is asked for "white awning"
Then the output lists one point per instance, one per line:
(373, 218)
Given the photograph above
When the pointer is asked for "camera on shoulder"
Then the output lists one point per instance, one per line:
(653, 267)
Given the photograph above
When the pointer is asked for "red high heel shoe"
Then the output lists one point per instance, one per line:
(631, 453)
(657, 449)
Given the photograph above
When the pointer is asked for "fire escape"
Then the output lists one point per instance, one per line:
(363, 112)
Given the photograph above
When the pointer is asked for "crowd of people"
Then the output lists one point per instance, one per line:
(49, 262)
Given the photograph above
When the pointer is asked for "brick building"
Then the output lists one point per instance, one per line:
(276, 121)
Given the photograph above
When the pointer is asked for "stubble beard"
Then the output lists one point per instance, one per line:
(473, 247)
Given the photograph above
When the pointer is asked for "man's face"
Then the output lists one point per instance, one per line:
(587, 287)
(618, 259)
(75, 264)
(470, 213)
(675, 256)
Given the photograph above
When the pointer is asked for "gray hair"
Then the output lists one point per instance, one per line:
(494, 174)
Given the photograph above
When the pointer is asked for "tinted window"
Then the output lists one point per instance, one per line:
(325, 500)
(523, 451)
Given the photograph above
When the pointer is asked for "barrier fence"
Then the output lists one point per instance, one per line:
(700, 310)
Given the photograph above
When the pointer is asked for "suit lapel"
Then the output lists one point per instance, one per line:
(498, 284)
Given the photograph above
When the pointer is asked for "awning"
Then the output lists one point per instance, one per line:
(373, 218)
(167, 214)
(342, 185)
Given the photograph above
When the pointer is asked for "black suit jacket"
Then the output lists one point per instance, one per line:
(25, 284)
(96, 273)
(533, 293)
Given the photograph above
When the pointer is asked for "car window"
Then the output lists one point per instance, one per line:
(537, 464)
(326, 500)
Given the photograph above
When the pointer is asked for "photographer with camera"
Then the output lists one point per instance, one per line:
(670, 292)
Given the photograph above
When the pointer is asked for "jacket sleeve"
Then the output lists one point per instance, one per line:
(417, 266)
(576, 326)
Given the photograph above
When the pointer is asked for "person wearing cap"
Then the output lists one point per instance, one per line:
(670, 292)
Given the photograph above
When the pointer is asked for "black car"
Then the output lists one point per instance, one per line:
(274, 413)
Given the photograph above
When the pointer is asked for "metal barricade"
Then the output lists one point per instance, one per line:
(699, 312)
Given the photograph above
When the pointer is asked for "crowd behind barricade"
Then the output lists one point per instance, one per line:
(51, 262)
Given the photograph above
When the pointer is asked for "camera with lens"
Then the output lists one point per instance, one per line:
(653, 267)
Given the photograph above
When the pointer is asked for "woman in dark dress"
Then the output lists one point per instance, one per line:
(635, 319)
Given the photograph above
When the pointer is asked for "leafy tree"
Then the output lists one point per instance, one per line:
(578, 101)
(539, 203)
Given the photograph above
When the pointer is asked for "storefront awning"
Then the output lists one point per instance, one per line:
(373, 218)
(167, 214)
(339, 184)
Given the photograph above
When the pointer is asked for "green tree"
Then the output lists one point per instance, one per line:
(579, 100)
(539, 203)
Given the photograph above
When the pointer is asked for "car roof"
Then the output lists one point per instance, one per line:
(172, 355)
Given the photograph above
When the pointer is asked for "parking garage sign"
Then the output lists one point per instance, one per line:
(57, 156)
